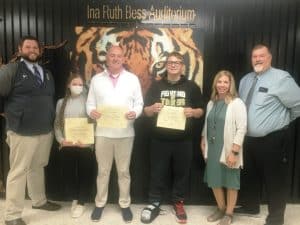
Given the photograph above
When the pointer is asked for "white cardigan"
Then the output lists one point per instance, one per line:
(235, 128)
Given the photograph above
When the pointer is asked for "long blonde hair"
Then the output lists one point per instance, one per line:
(60, 121)
(232, 94)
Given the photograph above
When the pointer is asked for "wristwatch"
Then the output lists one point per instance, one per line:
(235, 153)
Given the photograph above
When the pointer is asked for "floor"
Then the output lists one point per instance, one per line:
(112, 216)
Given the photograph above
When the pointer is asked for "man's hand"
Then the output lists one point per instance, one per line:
(95, 114)
(188, 112)
(156, 107)
(131, 115)
(153, 109)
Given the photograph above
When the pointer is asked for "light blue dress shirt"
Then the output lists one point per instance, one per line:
(275, 101)
(30, 67)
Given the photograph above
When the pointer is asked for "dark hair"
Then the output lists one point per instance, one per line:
(60, 120)
(29, 37)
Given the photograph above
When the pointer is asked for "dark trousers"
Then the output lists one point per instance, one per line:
(265, 163)
(77, 171)
(166, 157)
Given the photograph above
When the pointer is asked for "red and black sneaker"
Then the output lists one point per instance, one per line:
(180, 212)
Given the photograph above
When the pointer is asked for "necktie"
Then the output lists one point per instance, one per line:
(37, 75)
(250, 93)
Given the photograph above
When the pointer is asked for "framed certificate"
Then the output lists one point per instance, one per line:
(79, 130)
(112, 117)
(171, 117)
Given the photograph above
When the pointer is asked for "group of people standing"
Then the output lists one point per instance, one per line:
(246, 132)
(250, 132)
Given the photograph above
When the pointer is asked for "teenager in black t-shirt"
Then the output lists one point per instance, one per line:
(171, 146)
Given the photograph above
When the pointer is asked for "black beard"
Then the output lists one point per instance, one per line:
(30, 60)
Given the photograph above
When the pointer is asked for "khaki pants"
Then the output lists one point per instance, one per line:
(108, 149)
(28, 157)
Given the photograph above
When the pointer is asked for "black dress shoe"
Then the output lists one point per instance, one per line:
(274, 220)
(18, 221)
(271, 223)
(246, 211)
(274, 223)
(49, 206)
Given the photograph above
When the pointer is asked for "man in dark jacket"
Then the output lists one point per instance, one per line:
(28, 91)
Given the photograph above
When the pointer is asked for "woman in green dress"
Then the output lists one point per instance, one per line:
(221, 145)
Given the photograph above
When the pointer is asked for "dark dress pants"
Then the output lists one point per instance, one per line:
(265, 164)
(166, 157)
(78, 172)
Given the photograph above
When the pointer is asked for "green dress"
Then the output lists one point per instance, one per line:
(216, 174)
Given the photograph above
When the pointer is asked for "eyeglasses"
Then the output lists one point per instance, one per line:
(175, 63)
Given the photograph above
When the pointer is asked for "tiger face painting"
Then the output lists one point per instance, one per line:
(146, 50)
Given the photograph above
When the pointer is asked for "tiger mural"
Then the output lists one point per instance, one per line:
(146, 50)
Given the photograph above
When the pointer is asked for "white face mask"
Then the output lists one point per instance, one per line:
(76, 89)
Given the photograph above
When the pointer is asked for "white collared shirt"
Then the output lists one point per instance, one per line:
(126, 93)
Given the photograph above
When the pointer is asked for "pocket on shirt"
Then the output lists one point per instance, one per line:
(260, 98)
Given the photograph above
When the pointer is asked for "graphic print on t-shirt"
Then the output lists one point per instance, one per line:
(173, 98)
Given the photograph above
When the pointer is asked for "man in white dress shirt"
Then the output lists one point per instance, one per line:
(118, 88)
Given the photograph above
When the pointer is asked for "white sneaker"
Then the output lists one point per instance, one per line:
(74, 204)
(77, 211)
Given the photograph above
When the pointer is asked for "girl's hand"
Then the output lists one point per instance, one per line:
(65, 143)
(80, 145)
(202, 147)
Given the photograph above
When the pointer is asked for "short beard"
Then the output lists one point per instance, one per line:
(31, 60)
(258, 68)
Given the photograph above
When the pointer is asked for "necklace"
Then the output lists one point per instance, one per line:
(217, 108)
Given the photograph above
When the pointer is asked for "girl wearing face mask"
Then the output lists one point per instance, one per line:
(77, 159)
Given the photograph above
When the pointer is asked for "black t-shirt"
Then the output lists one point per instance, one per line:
(184, 93)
